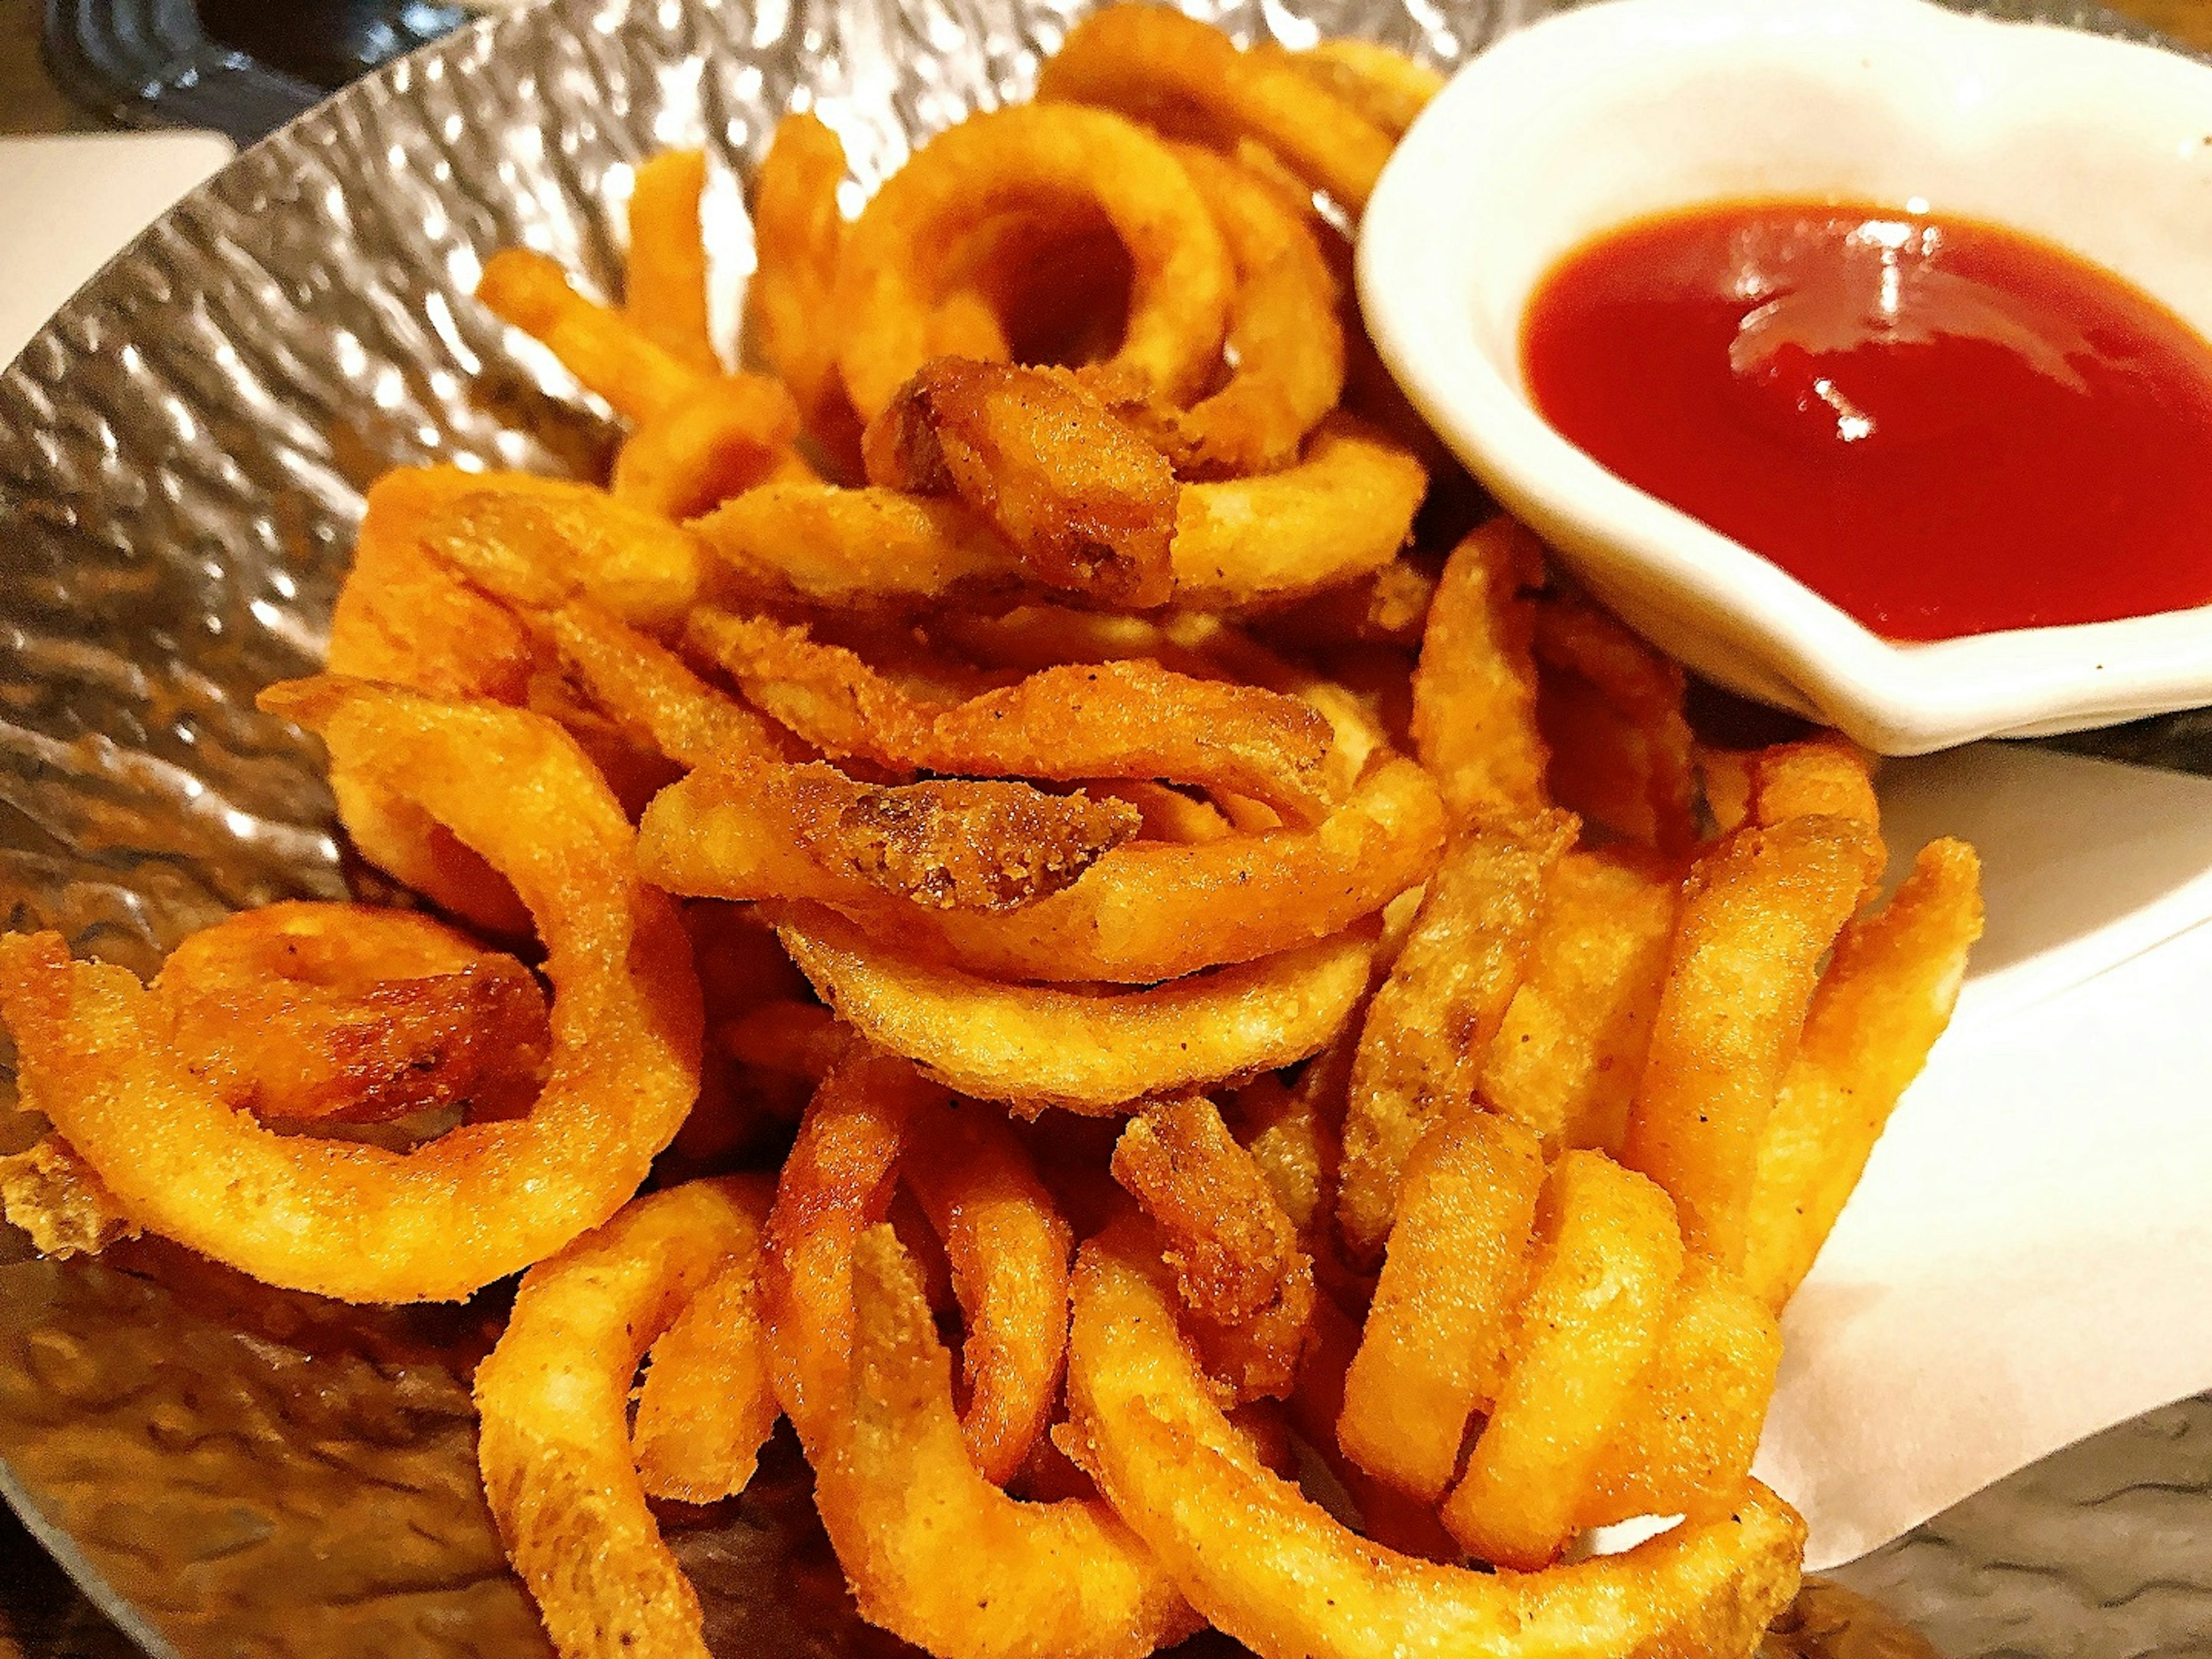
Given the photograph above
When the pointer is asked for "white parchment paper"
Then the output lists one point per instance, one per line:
(2029, 1258)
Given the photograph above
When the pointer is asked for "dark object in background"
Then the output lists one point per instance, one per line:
(242, 67)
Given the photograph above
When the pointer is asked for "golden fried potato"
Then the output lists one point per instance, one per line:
(1234, 1251)
(717, 441)
(1273, 1570)
(664, 276)
(1384, 85)
(1610, 711)
(791, 316)
(937, 1554)
(1118, 720)
(448, 1216)
(1600, 1283)
(1434, 1350)
(706, 1405)
(802, 1039)
(1009, 1249)
(1152, 63)
(1687, 1436)
(1048, 284)
(1149, 911)
(1758, 914)
(889, 275)
(1474, 690)
(344, 1012)
(601, 346)
(1085, 1051)
(1342, 510)
(654, 701)
(554, 1443)
(1386, 1516)
(1086, 504)
(59, 1199)
(836, 1182)
(1430, 1028)
(1569, 1054)
(805, 541)
(1295, 1140)
(543, 551)
(750, 831)
(1887, 996)
(1284, 337)
(1825, 775)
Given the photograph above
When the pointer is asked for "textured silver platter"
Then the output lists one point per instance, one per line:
(233, 1471)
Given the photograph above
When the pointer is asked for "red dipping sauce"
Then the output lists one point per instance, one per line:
(1943, 426)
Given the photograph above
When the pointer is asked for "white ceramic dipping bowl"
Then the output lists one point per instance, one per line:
(1620, 111)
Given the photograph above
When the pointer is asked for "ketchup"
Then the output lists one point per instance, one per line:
(1943, 426)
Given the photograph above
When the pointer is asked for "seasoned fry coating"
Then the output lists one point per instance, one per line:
(1234, 1251)
(1570, 1053)
(1429, 1028)
(655, 701)
(1475, 691)
(1152, 63)
(1087, 1052)
(554, 1445)
(1275, 1571)
(1180, 277)
(1150, 911)
(1283, 334)
(1009, 1249)
(1600, 1284)
(442, 1220)
(543, 551)
(1434, 1349)
(405, 617)
(706, 1405)
(664, 277)
(1080, 721)
(1344, 508)
(1294, 1137)
(757, 832)
(1226, 1237)
(1688, 1436)
(346, 1012)
(836, 1182)
(799, 540)
(1828, 774)
(1885, 997)
(399, 838)
(1758, 914)
(936, 1553)
(1086, 502)
(58, 1199)
(1341, 511)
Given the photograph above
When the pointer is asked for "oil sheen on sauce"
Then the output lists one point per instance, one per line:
(1943, 426)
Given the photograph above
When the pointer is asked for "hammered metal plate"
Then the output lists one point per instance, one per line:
(229, 1470)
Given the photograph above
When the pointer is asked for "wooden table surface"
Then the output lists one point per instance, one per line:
(41, 1614)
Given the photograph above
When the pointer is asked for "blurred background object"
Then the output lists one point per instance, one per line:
(242, 67)
(245, 67)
